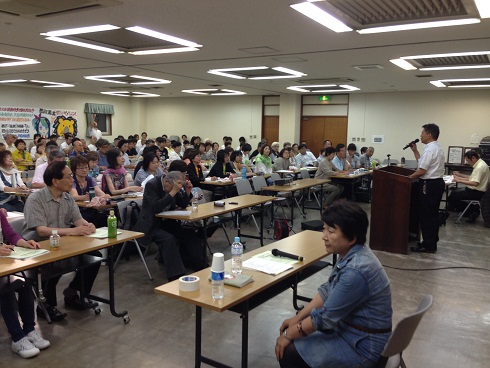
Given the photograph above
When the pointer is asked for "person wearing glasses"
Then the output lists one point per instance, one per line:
(53, 208)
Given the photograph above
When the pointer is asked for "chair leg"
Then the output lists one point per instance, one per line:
(119, 255)
(226, 234)
(143, 259)
(458, 220)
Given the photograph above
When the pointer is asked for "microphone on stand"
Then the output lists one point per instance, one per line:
(412, 142)
(279, 253)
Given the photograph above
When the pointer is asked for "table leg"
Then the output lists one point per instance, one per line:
(197, 356)
(244, 317)
(262, 223)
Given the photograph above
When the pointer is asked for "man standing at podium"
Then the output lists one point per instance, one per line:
(430, 170)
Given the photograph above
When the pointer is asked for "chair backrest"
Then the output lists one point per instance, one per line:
(243, 187)
(403, 333)
(275, 176)
(17, 225)
(304, 173)
(121, 207)
(258, 182)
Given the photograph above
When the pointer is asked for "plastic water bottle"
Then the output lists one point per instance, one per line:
(195, 200)
(54, 240)
(244, 172)
(236, 256)
(111, 225)
(217, 285)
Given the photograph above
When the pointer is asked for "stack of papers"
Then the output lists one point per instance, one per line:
(269, 264)
(448, 179)
(25, 253)
(175, 213)
(101, 233)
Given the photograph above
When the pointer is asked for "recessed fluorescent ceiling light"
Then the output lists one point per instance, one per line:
(323, 88)
(130, 94)
(404, 64)
(463, 83)
(405, 27)
(110, 79)
(214, 92)
(13, 81)
(228, 72)
(16, 61)
(321, 16)
(483, 8)
(52, 84)
(58, 37)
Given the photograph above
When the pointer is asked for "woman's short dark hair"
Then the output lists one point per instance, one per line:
(178, 165)
(121, 142)
(92, 156)
(282, 152)
(329, 151)
(351, 219)
(148, 159)
(149, 149)
(176, 144)
(234, 155)
(17, 141)
(192, 154)
(3, 156)
(54, 171)
(246, 147)
(77, 161)
(220, 155)
(112, 156)
(185, 155)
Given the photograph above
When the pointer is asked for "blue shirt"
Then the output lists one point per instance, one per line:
(102, 160)
(358, 291)
(338, 163)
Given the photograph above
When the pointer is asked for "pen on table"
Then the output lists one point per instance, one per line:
(232, 202)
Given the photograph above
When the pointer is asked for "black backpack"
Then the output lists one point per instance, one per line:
(131, 215)
(281, 229)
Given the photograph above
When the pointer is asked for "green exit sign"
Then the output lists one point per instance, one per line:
(325, 98)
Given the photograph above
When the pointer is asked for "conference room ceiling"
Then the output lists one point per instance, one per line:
(232, 34)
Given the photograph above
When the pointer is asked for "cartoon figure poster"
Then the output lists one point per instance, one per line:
(27, 121)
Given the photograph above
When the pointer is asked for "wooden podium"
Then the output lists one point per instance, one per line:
(393, 210)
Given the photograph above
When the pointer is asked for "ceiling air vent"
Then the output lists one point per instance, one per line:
(46, 8)
(368, 67)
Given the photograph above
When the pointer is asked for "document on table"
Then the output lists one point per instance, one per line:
(101, 233)
(267, 263)
(175, 213)
(25, 253)
(448, 179)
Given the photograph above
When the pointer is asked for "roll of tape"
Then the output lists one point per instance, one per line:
(189, 283)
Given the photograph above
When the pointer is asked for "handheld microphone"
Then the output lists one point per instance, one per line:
(279, 253)
(412, 142)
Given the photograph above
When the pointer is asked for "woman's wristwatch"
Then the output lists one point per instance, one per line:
(284, 333)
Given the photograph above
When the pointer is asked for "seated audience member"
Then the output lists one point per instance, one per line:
(150, 166)
(339, 160)
(363, 150)
(194, 169)
(295, 149)
(304, 157)
(222, 168)
(282, 162)
(476, 185)
(176, 153)
(263, 161)
(353, 157)
(22, 158)
(66, 146)
(82, 184)
(132, 148)
(123, 145)
(10, 142)
(77, 148)
(93, 164)
(207, 156)
(274, 151)
(33, 146)
(327, 143)
(146, 150)
(236, 160)
(325, 170)
(142, 142)
(185, 155)
(26, 341)
(3, 147)
(241, 142)
(246, 150)
(102, 148)
(10, 184)
(114, 180)
(164, 193)
(321, 156)
(50, 146)
(53, 155)
(53, 208)
(258, 151)
(39, 150)
(93, 141)
(343, 326)
(365, 159)
(33, 143)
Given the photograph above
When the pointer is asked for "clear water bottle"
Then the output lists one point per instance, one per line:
(217, 285)
(244, 172)
(111, 225)
(236, 256)
(54, 240)
(195, 200)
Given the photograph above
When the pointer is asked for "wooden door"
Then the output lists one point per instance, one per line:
(270, 128)
(315, 129)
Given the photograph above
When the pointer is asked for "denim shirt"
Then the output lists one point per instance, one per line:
(358, 290)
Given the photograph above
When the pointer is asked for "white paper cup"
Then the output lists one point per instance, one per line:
(218, 264)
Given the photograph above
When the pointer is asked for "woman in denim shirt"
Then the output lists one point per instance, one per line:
(348, 322)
